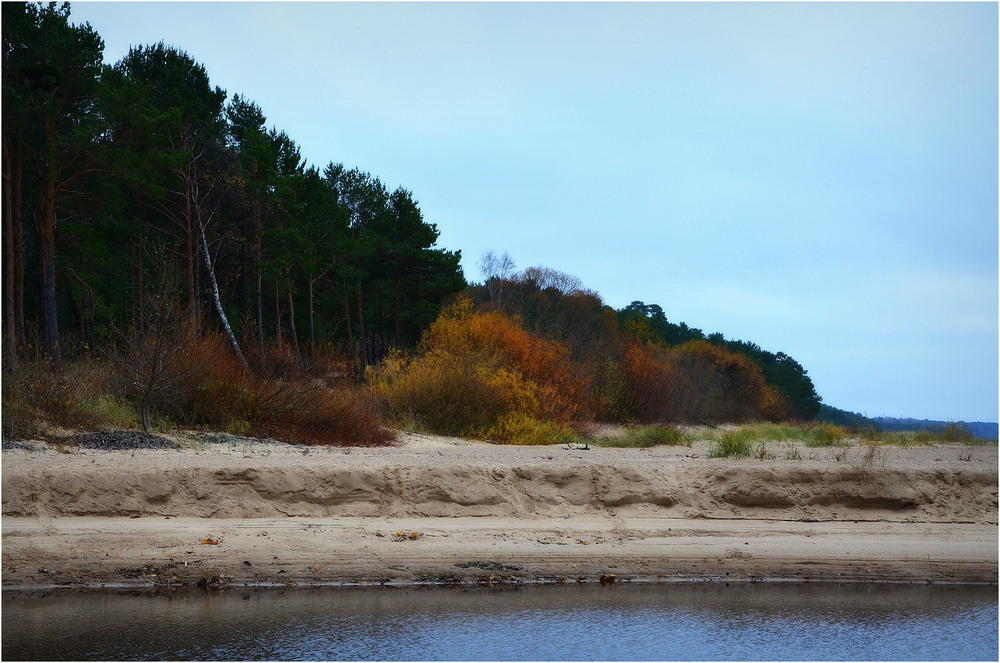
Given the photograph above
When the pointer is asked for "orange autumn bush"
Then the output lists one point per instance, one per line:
(278, 397)
(635, 385)
(209, 389)
(480, 374)
(716, 384)
(649, 384)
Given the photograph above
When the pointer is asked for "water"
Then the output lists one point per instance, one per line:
(689, 621)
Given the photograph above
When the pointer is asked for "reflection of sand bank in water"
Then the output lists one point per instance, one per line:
(316, 515)
(676, 621)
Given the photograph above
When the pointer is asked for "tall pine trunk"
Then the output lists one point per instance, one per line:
(47, 271)
(347, 318)
(190, 263)
(291, 322)
(312, 330)
(277, 312)
(19, 329)
(138, 312)
(258, 285)
(399, 310)
(362, 339)
(9, 329)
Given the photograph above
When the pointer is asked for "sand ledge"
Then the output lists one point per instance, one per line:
(435, 510)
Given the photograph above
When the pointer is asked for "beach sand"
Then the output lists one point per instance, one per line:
(445, 510)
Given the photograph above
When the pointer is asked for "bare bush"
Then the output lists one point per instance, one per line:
(546, 277)
(152, 364)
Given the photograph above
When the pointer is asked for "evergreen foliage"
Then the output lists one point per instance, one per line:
(832, 415)
(106, 167)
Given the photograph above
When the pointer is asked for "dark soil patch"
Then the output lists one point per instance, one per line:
(120, 440)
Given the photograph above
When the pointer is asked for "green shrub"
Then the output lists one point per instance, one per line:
(736, 443)
(826, 435)
(781, 432)
(643, 436)
(905, 439)
(103, 412)
(239, 427)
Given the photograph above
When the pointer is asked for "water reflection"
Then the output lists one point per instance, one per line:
(697, 621)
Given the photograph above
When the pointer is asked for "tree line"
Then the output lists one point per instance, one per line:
(642, 366)
(117, 176)
(140, 200)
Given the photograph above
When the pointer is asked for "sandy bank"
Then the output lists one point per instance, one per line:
(438, 509)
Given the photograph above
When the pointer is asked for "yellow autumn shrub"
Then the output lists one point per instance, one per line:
(480, 374)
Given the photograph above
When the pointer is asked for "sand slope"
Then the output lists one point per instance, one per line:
(297, 515)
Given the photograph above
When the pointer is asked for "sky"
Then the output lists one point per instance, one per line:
(818, 178)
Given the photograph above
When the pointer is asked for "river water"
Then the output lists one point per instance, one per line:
(676, 621)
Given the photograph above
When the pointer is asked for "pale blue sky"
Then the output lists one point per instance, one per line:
(819, 178)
